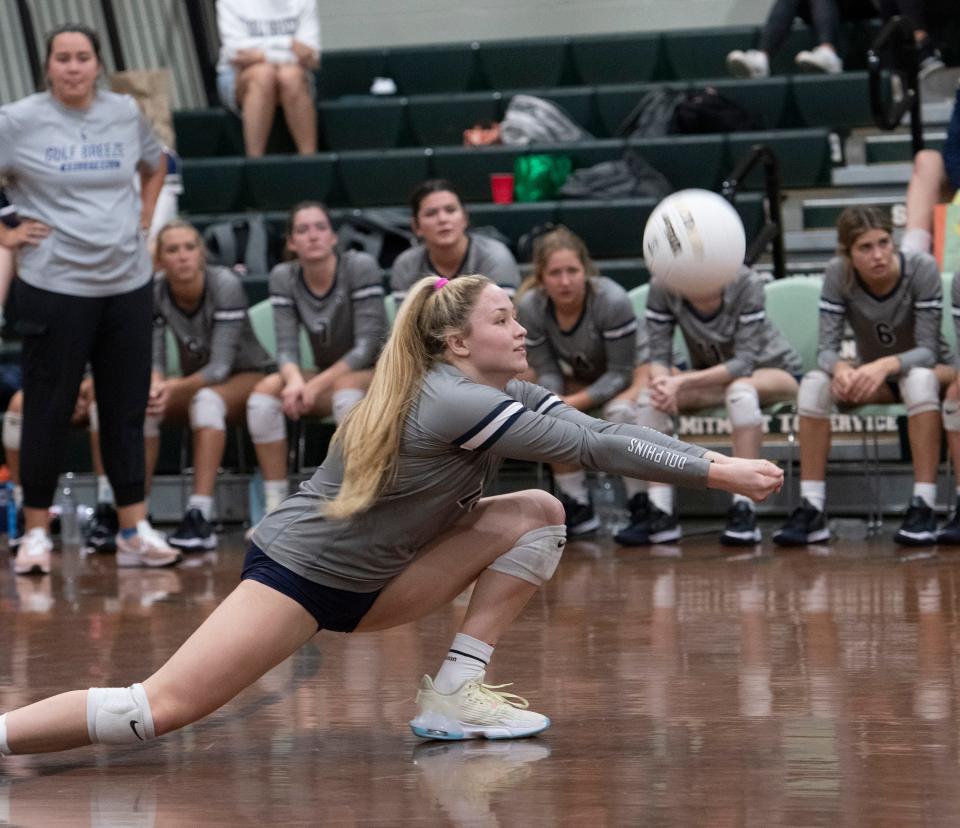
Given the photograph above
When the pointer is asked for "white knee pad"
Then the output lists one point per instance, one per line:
(12, 424)
(920, 390)
(119, 715)
(815, 399)
(93, 415)
(652, 417)
(743, 405)
(620, 411)
(951, 415)
(535, 555)
(265, 419)
(151, 426)
(208, 410)
(344, 400)
(4, 747)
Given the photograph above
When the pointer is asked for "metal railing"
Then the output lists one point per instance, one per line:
(893, 62)
(772, 231)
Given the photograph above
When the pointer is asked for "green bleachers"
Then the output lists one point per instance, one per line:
(278, 182)
(625, 58)
(835, 101)
(212, 185)
(363, 123)
(350, 73)
(470, 167)
(528, 63)
(686, 160)
(804, 155)
(766, 99)
(439, 120)
(616, 101)
(382, 177)
(702, 53)
(424, 70)
(611, 229)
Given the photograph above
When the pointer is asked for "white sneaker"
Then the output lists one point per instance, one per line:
(822, 59)
(33, 555)
(751, 63)
(147, 548)
(475, 711)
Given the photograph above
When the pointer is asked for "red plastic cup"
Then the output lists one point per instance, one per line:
(501, 188)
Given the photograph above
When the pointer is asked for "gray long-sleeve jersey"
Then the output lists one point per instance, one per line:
(73, 170)
(905, 322)
(348, 322)
(484, 255)
(600, 349)
(738, 335)
(453, 439)
(217, 338)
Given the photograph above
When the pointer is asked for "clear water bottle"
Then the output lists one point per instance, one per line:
(608, 503)
(69, 515)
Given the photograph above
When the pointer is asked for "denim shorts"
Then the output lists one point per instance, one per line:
(333, 609)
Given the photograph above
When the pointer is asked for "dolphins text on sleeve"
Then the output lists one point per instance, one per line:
(657, 454)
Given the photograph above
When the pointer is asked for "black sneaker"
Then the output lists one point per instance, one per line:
(919, 527)
(103, 528)
(639, 506)
(950, 534)
(657, 527)
(806, 524)
(741, 526)
(194, 534)
(580, 517)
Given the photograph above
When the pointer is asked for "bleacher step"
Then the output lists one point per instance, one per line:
(860, 175)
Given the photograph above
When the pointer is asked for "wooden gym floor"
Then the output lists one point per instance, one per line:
(688, 686)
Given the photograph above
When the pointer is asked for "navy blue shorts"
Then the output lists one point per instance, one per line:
(333, 609)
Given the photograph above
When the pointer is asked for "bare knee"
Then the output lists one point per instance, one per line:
(271, 385)
(543, 508)
(260, 78)
(291, 80)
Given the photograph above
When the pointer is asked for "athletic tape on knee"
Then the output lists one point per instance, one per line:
(815, 399)
(151, 426)
(920, 390)
(265, 418)
(4, 747)
(343, 400)
(208, 410)
(119, 715)
(743, 405)
(535, 555)
(93, 415)
(12, 426)
(652, 417)
(951, 415)
(620, 411)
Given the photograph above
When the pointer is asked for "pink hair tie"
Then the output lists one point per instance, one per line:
(440, 283)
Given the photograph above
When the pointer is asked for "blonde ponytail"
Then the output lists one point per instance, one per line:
(369, 438)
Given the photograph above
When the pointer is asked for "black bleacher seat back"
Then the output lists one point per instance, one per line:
(358, 123)
(349, 73)
(523, 63)
(686, 160)
(277, 183)
(425, 70)
(383, 177)
(835, 101)
(624, 58)
(212, 185)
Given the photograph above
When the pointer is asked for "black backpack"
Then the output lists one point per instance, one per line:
(242, 244)
(651, 117)
(706, 111)
(383, 233)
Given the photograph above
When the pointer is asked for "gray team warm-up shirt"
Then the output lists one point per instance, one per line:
(600, 349)
(484, 255)
(348, 322)
(454, 437)
(903, 323)
(73, 170)
(217, 338)
(738, 335)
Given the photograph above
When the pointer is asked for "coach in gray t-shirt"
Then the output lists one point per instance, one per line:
(71, 155)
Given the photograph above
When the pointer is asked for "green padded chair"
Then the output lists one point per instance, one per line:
(617, 58)
(522, 64)
(212, 185)
(279, 182)
(363, 123)
(439, 120)
(385, 177)
(804, 155)
(702, 53)
(425, 70)
(261, 318)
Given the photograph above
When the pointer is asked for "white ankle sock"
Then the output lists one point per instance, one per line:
(573, 484)
(916, 240)
(104, 489)
(274, 491)
(928, 491)
(814, 491)
(739, 498)
(18, 494)
(202, 502)
(662, 498)
(632, 486)
(468, 658)
(4, 747)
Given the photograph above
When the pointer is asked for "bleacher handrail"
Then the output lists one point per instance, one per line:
(896, 39)
(772, 230)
